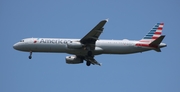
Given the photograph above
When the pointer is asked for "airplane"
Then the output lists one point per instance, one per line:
(86, 48)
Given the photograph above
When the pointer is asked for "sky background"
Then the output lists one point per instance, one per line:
(128, 19)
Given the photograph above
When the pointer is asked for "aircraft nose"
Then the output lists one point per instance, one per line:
(15, 46)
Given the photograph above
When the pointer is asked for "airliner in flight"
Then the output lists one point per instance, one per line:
(86, 48)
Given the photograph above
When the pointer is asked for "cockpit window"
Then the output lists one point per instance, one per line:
(22, 41)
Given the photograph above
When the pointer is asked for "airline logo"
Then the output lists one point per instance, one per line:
(53, 41)
(155, 32)
(35, 41)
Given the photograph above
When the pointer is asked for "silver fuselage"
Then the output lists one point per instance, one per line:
(58, 45)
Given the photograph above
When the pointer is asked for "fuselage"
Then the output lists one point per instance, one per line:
(58, 45)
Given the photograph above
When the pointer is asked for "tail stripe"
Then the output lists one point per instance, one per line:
(150, 35)
(154, 37)
(147, 37)
(155, 32)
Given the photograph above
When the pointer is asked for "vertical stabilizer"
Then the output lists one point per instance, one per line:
(153, 39)
(154, 33)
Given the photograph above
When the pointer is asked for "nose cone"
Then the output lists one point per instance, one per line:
(15, 46)
(19, 46)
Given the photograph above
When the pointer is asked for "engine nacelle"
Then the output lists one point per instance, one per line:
(74, 45)
(73, 60)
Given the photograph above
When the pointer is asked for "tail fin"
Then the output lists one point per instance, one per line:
(153, 39)
(154, 33)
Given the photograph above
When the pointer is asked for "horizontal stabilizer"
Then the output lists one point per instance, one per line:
(157, 41)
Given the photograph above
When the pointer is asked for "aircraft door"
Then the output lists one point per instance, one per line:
(32, 44)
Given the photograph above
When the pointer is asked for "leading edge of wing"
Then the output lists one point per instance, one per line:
(94, 34)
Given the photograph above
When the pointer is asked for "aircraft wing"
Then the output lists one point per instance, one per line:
(94, 34)
(90, 39)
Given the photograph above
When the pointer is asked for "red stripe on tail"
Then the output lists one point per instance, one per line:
(159, 28)
(154, 37)
(157, 33)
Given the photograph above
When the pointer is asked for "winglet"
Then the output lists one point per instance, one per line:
(100, 64)
(107, 19)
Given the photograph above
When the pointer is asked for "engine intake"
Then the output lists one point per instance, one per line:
(73, 60)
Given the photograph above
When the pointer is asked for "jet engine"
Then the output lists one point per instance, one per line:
(74, 45)
(73, 60)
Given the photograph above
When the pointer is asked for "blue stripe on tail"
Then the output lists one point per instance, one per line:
(152, 32)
